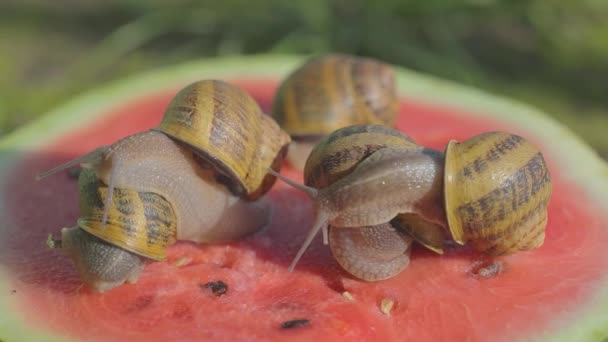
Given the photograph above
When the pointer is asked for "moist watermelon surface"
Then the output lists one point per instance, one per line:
(557, 292)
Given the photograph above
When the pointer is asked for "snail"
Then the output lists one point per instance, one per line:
(330, 92)
(491, 191)
(497, 189)
(106, 258)
(207, 159)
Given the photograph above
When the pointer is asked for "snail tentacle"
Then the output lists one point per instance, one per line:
(321, 218)
(312, 192)
(87, 160)
(321, 222)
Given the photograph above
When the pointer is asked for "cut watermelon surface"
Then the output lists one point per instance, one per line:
(557, 292)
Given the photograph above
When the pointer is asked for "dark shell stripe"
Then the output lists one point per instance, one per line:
(315, 95)
(530, 229)
(334, 163)
(231, 125)
(125, 205)
(184, 111)
(225, 126)
(142, 223)
(159, 215)
(376, 96)
(513, 199)
(356, 129)
(343, 150)
(490, 153)
(517, 224)
(333, 91)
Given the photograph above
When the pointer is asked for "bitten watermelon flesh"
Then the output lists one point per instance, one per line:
(242, 290)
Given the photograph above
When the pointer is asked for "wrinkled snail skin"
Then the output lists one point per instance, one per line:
(371, 253)
(329, 92)
(101, 265)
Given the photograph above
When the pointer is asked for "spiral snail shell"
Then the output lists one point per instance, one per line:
(491, 191)
(208, 203)
(332, 91)
(226, 126)
(139, 226)
(497, 189)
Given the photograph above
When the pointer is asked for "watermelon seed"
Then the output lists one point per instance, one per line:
(296, 323)
(217, 287)
(182, 261)
(348, 296)
(13, 291)
(487, 269)
(386, 305)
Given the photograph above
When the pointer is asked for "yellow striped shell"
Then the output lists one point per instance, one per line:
(340, 152)
(334, 91)
(227, 127)
(497, 188)
(139, 222)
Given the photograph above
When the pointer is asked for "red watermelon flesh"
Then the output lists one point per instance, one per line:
(437, 298)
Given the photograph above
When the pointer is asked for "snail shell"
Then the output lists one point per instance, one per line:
(497, 189)
(139, 226)
(226, 126)
(333, 91)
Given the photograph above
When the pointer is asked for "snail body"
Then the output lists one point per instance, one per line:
(491, 191)
(330, 92)
(210, 200)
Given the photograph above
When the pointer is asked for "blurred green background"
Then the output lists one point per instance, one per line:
(550, 53)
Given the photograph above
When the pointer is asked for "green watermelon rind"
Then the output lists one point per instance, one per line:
(577, 161)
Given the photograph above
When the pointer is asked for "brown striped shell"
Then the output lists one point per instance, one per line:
(338, 154)
(143, 223)
(497, 188)
(227, 127)
(334, 91)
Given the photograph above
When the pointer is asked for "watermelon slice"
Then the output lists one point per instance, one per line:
(242, 290)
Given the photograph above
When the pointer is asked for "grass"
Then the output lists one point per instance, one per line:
(551, 54)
